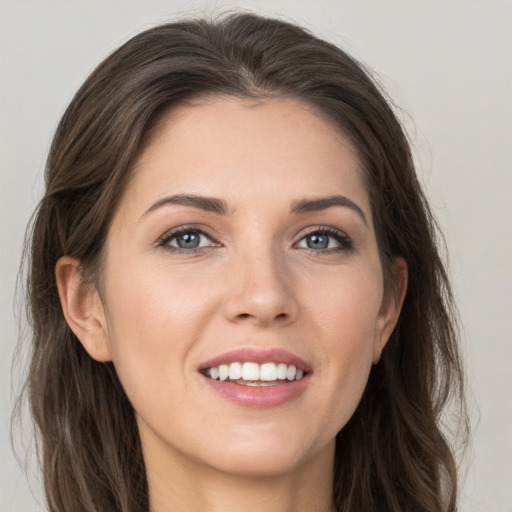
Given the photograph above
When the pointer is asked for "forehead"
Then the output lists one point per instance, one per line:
(225, 146)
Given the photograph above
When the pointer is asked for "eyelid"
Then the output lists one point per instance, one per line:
(345, 242)
(163, 241)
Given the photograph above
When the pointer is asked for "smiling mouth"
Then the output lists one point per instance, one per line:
(254, 374)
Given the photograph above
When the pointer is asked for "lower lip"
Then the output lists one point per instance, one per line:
(258, 396)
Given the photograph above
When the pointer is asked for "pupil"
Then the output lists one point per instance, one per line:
(188, 241)
(318, 241)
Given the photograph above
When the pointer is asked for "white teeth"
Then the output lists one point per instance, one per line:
(223, 372)
(268, 372)
(235, 371)
(282, 370)
(253, 372)
(257, 383)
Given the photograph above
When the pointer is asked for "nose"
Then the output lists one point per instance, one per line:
(261, 290)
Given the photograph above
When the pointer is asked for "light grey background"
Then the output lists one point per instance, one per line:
(448, 63)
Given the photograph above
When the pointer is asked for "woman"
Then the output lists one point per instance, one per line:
(235, 290)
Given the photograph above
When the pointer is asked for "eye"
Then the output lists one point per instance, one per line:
(187, 239)
(325, 239)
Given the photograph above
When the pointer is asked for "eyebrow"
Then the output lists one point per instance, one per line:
(323, 203)
(219, 206)
(209, 204)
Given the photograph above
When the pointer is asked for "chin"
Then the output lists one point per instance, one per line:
(263, 453)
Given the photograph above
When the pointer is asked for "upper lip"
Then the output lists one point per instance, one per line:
(260, 356)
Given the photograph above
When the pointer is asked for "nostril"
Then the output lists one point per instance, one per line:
(281, 316)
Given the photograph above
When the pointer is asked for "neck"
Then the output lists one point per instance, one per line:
(184, 485)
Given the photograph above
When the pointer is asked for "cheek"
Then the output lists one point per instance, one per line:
(346, 306)
(347, 321)
(154, 299)
(154, 319)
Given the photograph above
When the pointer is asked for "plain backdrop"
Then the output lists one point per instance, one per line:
(448, 64)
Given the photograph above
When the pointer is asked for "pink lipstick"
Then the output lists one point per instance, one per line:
(257, 378)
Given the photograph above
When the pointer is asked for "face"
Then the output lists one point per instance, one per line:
(242, 288)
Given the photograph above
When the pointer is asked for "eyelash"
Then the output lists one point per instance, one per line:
(344, 241)
(175, 233)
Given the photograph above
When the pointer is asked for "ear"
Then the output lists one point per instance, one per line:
(391, 306)
(83, 309)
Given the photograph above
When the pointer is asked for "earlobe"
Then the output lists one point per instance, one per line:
(391, 306)
(82, 308)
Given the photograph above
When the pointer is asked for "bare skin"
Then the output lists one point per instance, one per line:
(308, 489)
(246, 225)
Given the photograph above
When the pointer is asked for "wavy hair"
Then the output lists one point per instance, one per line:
(393, 455)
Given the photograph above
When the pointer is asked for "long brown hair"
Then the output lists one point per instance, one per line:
(392, 455)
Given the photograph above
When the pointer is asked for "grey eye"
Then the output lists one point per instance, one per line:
(319, 241)
(189, 240)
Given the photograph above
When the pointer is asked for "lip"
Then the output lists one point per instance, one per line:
(260, 356)
(257, 396)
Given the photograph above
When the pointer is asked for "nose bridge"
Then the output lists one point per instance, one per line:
(262, 287)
